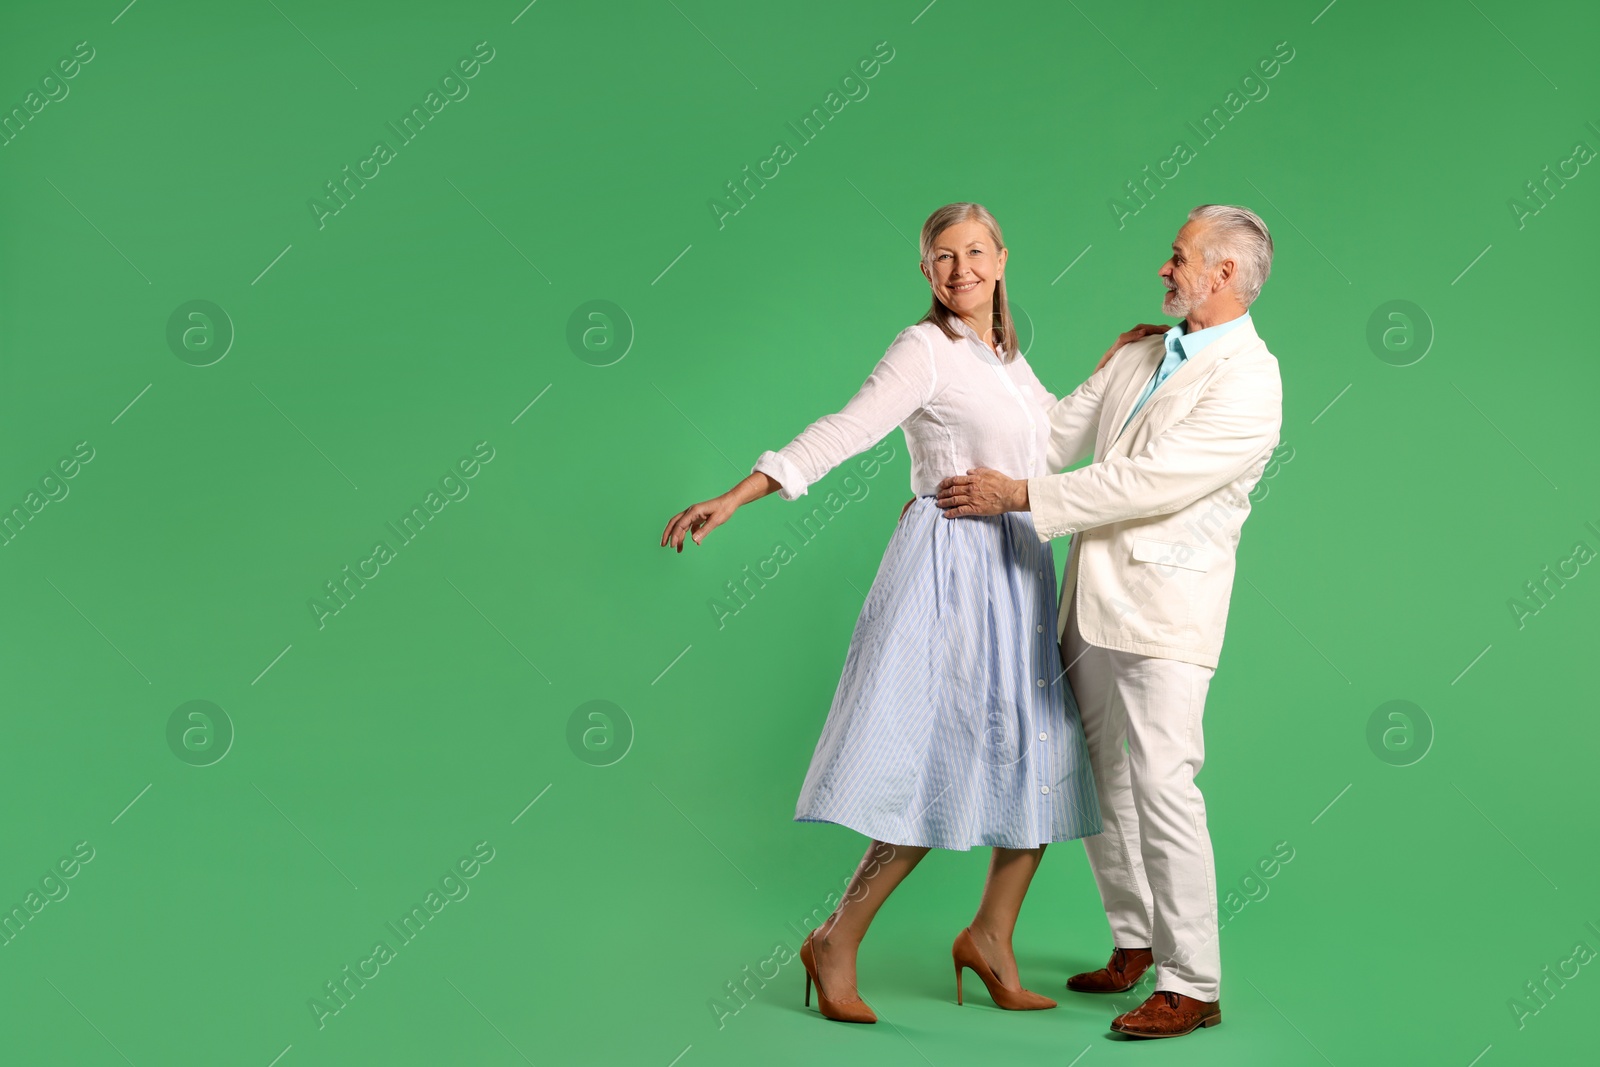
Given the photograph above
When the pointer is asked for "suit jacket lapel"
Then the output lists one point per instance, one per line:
(1155, 350)
(1234, 341)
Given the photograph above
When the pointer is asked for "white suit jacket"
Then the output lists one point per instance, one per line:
(1155, 518)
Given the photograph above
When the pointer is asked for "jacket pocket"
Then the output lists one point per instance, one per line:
(1170, 554)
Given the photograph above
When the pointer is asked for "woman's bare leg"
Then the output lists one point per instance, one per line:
(1010, 872)
(883, 868)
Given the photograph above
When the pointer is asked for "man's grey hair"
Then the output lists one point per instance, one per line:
(1238, 234)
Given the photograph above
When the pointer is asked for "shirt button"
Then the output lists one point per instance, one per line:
(1038, 629)
(1041, 683)
(1041, 574)
(1044, 737)
(1045, 790)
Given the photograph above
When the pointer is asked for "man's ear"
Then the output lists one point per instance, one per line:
(1224, 275)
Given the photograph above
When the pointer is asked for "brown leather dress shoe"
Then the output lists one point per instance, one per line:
(1127, 966)
(1168, 1014)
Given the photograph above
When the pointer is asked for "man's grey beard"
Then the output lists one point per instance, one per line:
(1180, 301)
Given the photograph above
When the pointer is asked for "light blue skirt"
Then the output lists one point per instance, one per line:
(953, 725)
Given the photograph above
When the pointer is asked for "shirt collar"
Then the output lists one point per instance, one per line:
(1188, 345)
(972, 335)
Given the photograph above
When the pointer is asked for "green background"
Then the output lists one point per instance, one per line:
(432, 712)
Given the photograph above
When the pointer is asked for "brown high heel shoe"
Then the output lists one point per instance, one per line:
(848, 1011)
(965, 954)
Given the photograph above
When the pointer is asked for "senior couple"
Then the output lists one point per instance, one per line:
(951, 726)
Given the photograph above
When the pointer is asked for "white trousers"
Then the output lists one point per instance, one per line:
(1152, 860)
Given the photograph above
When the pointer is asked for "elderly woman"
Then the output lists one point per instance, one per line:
(952, 726)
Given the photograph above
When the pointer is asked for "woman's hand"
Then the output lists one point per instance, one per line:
(1144, 329)
(702, 518)
(697, 520)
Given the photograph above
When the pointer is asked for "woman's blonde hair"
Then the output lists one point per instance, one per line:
(939, 313)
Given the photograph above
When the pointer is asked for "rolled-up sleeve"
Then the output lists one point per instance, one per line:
(903, 381)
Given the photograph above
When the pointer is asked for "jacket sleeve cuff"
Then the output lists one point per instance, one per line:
(775, 465)
(1047, 502)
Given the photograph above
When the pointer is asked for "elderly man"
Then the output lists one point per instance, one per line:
(1181, 426)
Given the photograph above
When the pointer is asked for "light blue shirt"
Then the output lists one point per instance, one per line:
(1181, 347)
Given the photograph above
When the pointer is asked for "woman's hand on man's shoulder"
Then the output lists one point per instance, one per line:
(1144, 329)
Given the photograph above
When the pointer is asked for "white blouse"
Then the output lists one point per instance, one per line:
(959, 405)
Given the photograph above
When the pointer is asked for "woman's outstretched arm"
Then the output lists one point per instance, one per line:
(901, 382)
